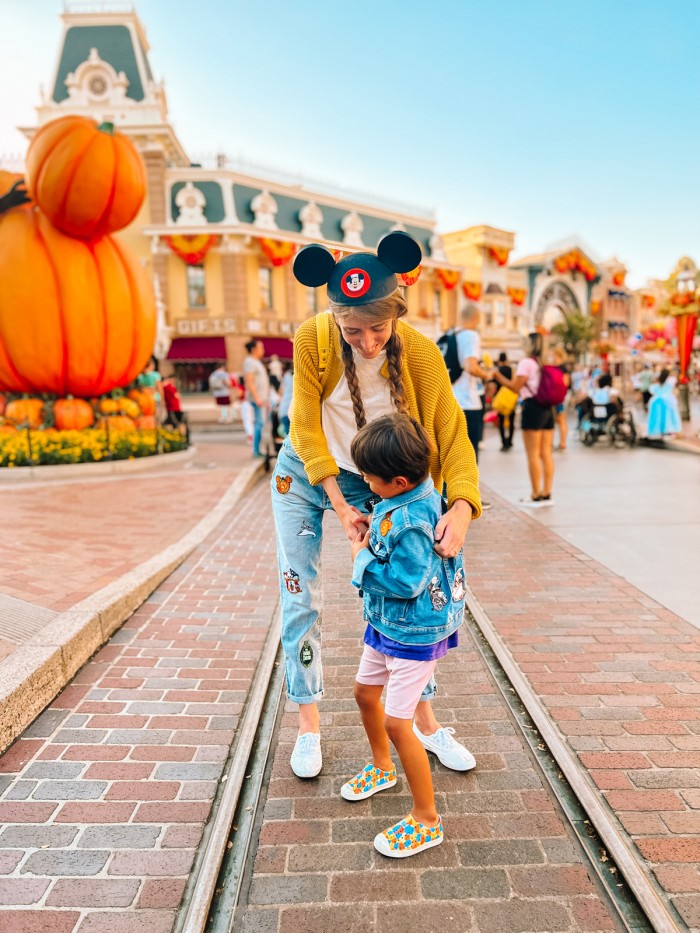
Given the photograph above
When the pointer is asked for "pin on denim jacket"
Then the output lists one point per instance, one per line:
(409, 593)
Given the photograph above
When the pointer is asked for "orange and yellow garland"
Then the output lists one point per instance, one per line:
(517, 296)
(192, 248)
(499, 254)
(471, 290)
(279, 252)
(448, 277)
(410, 278)
(575, 261)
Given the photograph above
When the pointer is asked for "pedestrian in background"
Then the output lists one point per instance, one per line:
(413, 604)
(664, 419)
(506, 423)
(375, 364)
(257, 386)
(287, 394)
(537, 423)
(563, 366)
(220, 388)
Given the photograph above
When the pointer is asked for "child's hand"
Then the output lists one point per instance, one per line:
(360, 542)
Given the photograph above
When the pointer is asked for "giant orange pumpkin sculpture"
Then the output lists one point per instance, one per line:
(89, 180)
(76, 318)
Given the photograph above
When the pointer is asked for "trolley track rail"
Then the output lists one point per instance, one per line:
(215, 897)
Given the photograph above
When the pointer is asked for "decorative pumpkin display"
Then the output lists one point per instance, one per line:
(146, 423)
(25, 410)
(117, 423)
(109, 406)
(145, 401)
(72, 414)
(7, 429)
(89, 180)
(129, 407)
(76, 318)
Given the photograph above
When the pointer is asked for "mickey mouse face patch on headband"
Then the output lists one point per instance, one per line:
(362, 277)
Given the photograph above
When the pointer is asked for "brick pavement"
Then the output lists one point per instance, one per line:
(507, 862)
(618, 674)
(103, 800)
(105, 527)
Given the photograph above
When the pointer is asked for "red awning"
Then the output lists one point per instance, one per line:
(282, 346)
(197, 350)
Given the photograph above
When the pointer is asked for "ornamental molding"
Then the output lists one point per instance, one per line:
(96, 82)
(191, 203)
(352, 227)
(311, 218)
(264, 207)
(437, 248)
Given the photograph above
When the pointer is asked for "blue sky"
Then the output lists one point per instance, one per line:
(547, 117)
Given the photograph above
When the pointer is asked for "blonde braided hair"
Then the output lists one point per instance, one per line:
(394, 307)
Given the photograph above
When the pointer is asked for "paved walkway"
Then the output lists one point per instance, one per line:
(72, 537)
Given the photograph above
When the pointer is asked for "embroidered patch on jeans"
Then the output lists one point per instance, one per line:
(306, 655)
(283, 483)
(437, 595)
(306, 531)
(371, 502)
(291, 581)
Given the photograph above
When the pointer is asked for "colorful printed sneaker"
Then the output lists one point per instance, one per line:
(408, 837)
(369, 781)
(451, 753)
(307, 760)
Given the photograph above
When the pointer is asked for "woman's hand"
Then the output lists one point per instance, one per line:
(360, 542)
(451, 530)
(354, 522)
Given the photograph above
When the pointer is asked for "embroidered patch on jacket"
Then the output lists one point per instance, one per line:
(371, 502)
(291, 581)
(458, 588)
(385, 526)
(306, 655)
(306, 531)
(437, 595)
(283, 483)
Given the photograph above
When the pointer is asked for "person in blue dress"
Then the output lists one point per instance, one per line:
(663, 418)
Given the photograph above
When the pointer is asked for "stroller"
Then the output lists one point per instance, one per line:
(611, 420)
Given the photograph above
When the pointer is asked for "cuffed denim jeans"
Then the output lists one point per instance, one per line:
(298, 509)
(259, 414)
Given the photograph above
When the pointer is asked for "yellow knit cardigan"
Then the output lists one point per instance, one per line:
(430, 400)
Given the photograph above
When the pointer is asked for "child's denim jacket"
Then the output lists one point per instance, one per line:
(410, 594)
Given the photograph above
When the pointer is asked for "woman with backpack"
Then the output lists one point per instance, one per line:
(539, 388)
(351, 366)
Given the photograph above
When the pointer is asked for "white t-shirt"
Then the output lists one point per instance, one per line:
(337, 415)
(255, 368)
(529, 368)
(467, 388)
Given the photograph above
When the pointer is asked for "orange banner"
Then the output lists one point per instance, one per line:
(471, 290)
(279, 252)
(410, 278)
(595, 307)
(575, 261)
(500, 255)
(191, 248)
(448, 277)
(648, 301)
(619, 278)
(517, 296)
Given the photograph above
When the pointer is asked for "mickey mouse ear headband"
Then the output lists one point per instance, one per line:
(362, 277)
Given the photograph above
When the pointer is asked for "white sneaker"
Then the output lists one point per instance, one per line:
(306, 760)
(450, 753)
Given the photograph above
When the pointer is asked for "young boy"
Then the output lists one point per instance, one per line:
(413, 605)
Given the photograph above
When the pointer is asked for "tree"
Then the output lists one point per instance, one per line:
(575, 332)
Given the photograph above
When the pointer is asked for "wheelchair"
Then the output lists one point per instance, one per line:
(611, 421)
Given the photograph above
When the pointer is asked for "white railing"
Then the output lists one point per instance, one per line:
(244, 166)
(82, 6)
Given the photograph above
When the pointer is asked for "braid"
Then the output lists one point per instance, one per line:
(351, 376)
(394, 360)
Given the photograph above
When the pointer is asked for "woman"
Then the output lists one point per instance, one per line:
(560, 362)
(362, 363)
(663, 419)
(537, 424)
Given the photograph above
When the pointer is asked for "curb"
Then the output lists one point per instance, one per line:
(104, 467)
(34, 674)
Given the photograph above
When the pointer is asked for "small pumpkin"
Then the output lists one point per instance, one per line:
(75, 318)
(145, 401)
(146, 423)
(25, 410)
(7, 429)
(72, 414)
(128, 406)
(109, 406)
(117, 423)
(89, 180)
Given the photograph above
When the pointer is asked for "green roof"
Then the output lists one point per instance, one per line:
(114, 45)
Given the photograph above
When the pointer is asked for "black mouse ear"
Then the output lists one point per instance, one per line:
(313, 265)
(399, 251)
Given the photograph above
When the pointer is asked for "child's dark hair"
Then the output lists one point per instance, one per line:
(604, 380)
(663, 376)
(393, 445)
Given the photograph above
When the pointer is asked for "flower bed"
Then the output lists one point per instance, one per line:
(40, 448)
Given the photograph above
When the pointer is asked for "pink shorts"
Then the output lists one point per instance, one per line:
(405, 680)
